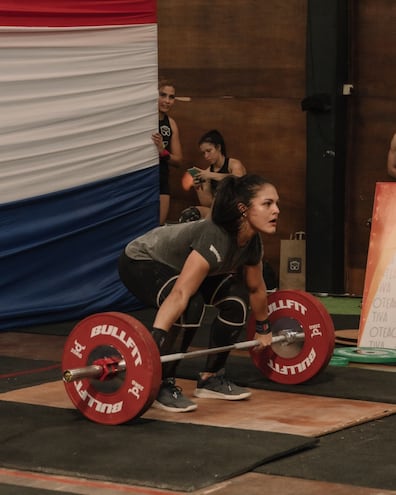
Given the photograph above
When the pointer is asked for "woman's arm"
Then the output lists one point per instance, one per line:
(258, 298)
(203, 188)
(235, 167)
(176, 154)
(194, 272)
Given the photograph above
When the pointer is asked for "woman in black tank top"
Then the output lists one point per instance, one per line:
(213, 149)
(167, 142)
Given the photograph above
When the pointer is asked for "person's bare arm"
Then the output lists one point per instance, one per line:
(203, 188)
(194, 271)
(176, 154)
(391, 164)
(235, 167)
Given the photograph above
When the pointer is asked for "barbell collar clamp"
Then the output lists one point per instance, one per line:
(91, 371)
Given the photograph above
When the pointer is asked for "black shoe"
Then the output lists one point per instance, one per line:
(218, 387)
(170, 398)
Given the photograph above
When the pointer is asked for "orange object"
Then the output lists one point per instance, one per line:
(378, 316)
(187, 181)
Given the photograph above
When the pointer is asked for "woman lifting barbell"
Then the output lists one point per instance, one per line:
(218, 261)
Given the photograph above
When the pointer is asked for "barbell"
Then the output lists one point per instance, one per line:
(112, 367)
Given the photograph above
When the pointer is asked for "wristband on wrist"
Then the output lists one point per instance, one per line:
(165, 154)
(263, 327)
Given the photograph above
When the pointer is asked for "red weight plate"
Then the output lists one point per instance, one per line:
(155, 362)
(300, 361)
(328, 324)
(129, 393)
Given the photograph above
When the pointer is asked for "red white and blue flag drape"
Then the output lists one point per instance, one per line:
(78, 169)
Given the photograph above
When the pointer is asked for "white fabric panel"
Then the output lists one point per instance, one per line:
(76, 106)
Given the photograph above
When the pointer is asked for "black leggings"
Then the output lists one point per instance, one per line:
(151, 282)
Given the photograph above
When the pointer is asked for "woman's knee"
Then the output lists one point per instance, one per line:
(193, 314)
(232, 302)
(232, 311)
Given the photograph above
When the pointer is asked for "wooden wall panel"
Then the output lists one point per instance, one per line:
(372, 124)
(374, 55)
(267, 135)
(245, 48)
(241, 65)
(254, 52)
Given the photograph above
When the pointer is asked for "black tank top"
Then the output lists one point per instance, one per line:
(223, 170)
(166, 131)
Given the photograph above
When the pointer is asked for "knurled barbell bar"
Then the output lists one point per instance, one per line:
(109, 366)
(112, 367)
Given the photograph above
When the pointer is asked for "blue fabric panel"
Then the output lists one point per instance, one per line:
(59, 252)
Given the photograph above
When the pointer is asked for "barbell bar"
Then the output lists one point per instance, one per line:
(98, 370)
(113, 369)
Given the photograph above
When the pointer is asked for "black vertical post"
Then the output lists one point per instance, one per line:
(325, 104)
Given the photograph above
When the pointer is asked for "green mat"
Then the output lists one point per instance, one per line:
(342, 305)
(158, 454)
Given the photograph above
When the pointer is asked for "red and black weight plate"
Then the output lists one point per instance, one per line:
(328, 323)
(126, 394)
(301, 360)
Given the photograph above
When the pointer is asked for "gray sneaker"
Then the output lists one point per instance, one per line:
(218, 387)
(170, 398)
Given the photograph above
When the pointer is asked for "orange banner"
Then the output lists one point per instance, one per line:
(378, 316)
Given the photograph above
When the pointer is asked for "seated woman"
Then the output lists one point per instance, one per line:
(213, 148)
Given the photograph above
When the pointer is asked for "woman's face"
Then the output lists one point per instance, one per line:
(210, 152)
(166, 98)
(263, 211)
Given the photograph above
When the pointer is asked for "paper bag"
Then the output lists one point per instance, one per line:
(292, 262)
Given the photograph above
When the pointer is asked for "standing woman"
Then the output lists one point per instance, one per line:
(217, 261)
(213, 149)
(167, 141)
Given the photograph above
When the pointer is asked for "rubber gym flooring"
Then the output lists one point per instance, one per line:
(334, 435)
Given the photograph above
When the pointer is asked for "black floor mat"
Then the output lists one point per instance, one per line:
(16, 373)
(159, 454)
(364, 455)
(334, 381)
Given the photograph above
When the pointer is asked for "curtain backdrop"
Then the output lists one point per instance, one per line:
(78, 169)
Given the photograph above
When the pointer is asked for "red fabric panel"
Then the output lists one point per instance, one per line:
(74, 13)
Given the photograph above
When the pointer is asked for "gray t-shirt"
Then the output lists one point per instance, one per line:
(171, 245)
